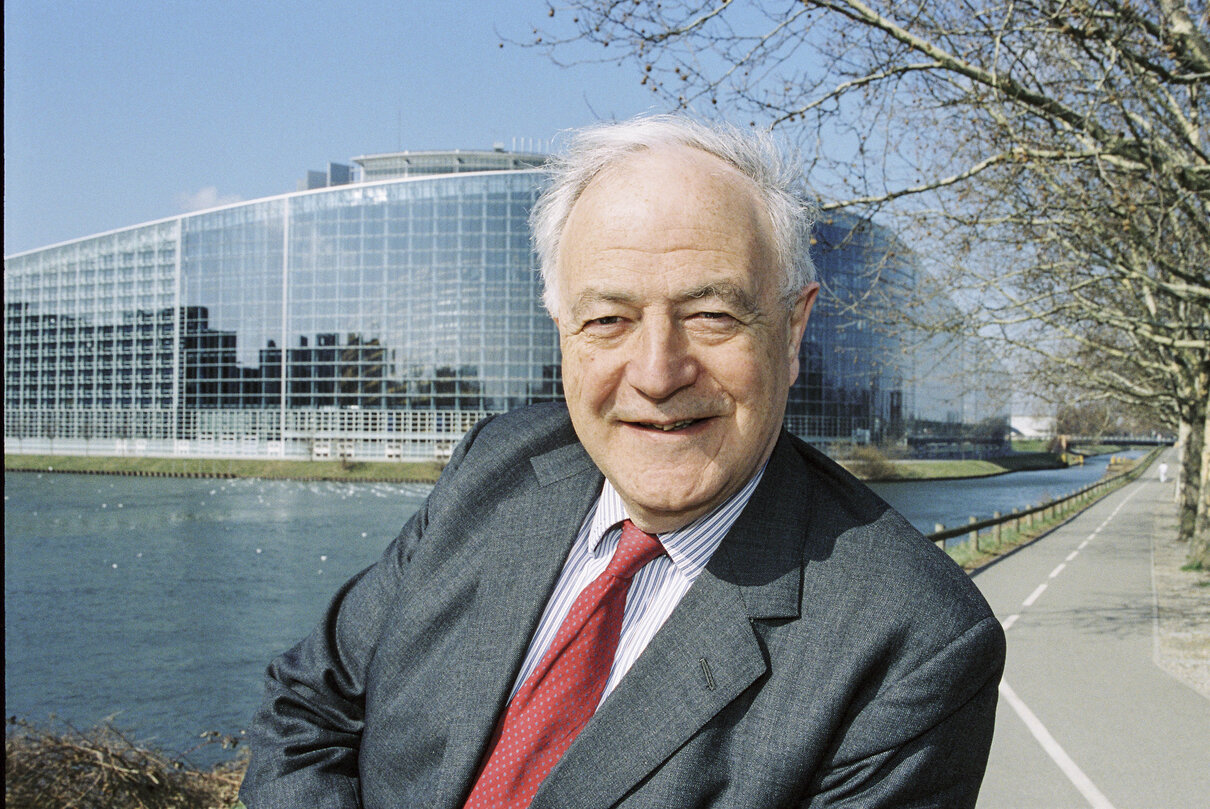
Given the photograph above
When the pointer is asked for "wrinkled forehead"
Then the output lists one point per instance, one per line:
(674, 170)
(670, 190)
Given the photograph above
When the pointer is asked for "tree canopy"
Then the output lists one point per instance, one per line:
(1048, 160)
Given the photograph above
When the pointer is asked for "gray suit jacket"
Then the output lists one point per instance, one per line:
(828, 655)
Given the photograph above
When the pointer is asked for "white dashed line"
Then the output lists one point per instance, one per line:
(1079, 780)
(1096, 799)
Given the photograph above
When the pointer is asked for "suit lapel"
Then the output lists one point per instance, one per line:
(527, 540)
(667, 696)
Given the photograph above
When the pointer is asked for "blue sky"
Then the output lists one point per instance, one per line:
(120, 113)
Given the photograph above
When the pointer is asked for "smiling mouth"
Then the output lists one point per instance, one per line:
(666, 428)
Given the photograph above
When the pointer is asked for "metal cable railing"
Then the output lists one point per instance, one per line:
(1025, 519)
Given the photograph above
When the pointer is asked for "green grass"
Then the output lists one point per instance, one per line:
(1030, 444)
(950, 469)
(1097, 449)
(927, 470)
(428, 471)
(396, 471)
(971, 555)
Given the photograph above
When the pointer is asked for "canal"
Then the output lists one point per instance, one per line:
(159, 601)
(951, 503)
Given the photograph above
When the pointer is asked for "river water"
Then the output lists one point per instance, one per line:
(162, 599)
(159, 600)
(952, 502)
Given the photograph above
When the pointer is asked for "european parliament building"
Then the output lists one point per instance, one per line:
(375, 314)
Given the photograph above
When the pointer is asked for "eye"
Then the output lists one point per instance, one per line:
(604, 326)
(714, 318)
(712, 324)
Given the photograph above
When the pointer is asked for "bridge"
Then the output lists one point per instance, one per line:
(1134, 440)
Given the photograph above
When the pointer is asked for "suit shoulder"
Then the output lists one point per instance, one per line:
(501, 453)
(884, 564)
(526, 431)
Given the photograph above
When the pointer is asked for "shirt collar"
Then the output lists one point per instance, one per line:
(690, 547)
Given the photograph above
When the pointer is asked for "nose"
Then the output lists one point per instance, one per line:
(662, 361)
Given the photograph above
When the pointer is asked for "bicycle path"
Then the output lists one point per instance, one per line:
(1086, 718)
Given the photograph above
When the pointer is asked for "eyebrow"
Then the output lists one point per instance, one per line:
(726, 291)
(730, 293)
(590, 296)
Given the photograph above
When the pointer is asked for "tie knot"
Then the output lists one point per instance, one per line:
(635, 549)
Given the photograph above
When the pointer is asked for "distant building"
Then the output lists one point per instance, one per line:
(1033, 426)
(378, 314)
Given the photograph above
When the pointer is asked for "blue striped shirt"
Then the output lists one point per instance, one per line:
(655, 590)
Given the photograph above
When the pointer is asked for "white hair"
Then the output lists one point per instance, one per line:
(779, 183)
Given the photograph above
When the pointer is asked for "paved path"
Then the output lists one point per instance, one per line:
(1086, 718)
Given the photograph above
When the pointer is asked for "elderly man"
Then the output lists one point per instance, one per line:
(654, 596)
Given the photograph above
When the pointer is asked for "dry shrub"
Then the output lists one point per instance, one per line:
(870, 464)
(101, 768)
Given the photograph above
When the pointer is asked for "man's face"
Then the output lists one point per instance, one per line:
(677, 350)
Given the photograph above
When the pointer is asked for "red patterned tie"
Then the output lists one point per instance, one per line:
(555, 702)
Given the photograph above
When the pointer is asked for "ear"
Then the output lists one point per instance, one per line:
(800, 312)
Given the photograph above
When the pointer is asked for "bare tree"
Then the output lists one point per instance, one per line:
(1047, 158)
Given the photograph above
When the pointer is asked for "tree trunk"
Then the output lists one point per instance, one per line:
(1199, 546)
(1193, 434)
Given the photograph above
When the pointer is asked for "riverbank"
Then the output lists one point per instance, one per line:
(61, 767)
(868, 468)
(875, 468)
(353, 471)
(1182, 621)
(1009, 536)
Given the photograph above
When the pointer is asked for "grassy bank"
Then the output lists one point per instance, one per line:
(868, 467)
(993, 543)
(874, 467)
(391, 472)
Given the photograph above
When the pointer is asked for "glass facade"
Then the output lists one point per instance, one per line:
(375, 320)
(412, 164)
(854, 380)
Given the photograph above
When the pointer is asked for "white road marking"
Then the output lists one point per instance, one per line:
(1034, 595)
(1096, 799)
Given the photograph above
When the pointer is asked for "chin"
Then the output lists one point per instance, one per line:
(669, 497)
